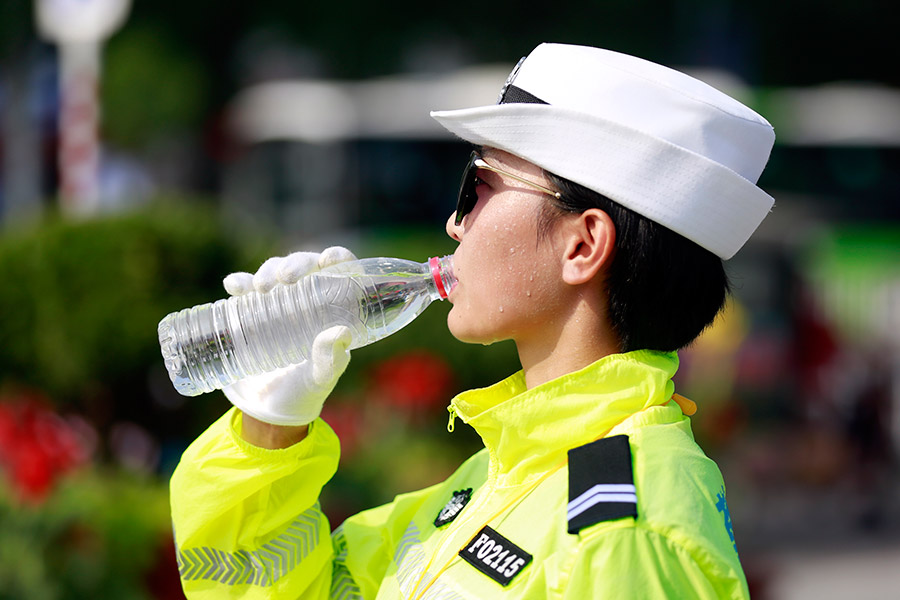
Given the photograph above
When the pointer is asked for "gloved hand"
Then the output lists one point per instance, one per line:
(293, 395)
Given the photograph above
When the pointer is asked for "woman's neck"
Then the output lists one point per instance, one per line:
(580, 340)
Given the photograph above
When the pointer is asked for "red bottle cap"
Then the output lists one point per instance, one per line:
(435, 265)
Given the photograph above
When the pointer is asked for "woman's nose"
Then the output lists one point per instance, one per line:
(454, 230)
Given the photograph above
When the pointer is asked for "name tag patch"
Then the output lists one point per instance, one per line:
(495, 556)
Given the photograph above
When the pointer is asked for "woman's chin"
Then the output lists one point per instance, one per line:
(464, 331)
(470, 336)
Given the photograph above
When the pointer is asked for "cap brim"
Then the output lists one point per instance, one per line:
(676, 187)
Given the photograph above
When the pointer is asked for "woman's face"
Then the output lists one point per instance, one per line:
(509, 284)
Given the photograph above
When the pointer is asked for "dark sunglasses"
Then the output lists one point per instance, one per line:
(467, 196)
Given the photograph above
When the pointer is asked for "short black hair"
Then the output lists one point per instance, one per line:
(663, 288)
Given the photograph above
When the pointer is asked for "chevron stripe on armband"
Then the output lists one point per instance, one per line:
(601, 483)
(262, 566)
(343, 587)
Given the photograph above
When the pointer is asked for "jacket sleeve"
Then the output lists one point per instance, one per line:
(247, 520)
(367, 543)
(640, 563)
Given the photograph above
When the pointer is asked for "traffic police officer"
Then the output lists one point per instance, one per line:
(593, 218)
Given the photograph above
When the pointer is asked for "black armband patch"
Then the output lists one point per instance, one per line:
(601, 483)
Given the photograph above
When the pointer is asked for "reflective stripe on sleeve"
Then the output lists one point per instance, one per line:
(343, 587)
(263, 566)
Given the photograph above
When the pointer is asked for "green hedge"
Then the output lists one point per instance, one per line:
(99, 535)
(81, 299)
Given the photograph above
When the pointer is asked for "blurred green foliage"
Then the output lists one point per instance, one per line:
(80, 302)
(99, 535)
(151, 87)
(81, 299)
(853, 270)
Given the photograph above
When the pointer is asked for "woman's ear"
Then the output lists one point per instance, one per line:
(589, 245)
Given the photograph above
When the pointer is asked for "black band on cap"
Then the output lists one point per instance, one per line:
(514, 95)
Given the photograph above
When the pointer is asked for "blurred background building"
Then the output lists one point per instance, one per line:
(230, 131)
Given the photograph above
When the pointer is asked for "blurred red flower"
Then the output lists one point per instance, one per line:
(347, 422)
(418, 382)
(37, 446)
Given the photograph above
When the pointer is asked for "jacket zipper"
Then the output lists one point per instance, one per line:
(452, 422)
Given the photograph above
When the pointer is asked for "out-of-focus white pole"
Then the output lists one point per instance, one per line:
(79, 147)
(79, 28)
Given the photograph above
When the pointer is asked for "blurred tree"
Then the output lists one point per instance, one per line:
(16, 27)
(152, 86)
(81, 302)
(784, 43)
(100, 535)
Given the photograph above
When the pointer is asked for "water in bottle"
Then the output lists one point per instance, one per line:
(213, 345)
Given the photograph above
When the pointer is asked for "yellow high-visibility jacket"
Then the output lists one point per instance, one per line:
(589, 486)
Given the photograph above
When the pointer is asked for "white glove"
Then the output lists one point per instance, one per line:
(292, 395)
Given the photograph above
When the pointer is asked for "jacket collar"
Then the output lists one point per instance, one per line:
(527, 432)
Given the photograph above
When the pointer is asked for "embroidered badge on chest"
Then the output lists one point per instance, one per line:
(495, 556)
(453, 507)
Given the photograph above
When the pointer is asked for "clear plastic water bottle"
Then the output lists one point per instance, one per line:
(212, 345)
